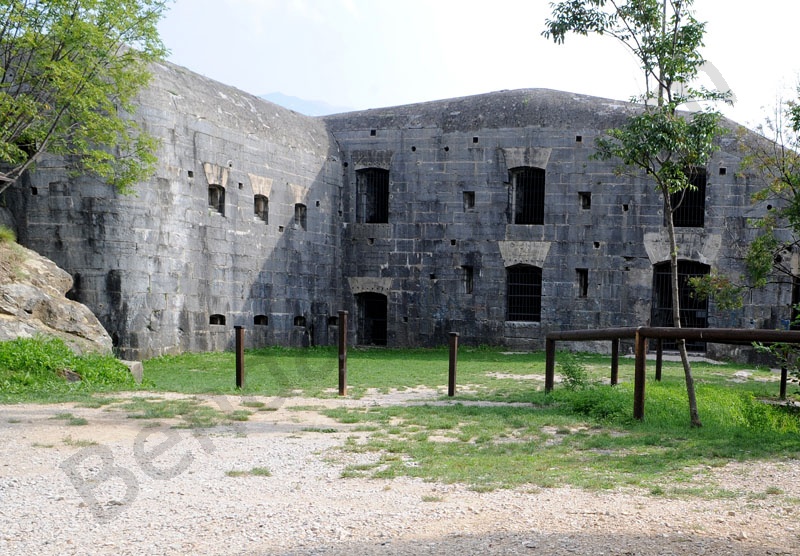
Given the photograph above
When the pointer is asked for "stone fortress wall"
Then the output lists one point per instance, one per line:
(264, 218)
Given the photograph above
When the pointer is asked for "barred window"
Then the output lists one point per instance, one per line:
(524, 293)
(527, 185)
(689, 206)
(372, 204)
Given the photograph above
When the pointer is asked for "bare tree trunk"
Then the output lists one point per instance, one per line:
(694, 416)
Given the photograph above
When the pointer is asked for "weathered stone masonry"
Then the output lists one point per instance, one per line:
(407, 217)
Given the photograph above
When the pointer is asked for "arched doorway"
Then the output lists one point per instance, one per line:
(372, 317)
(694, 312)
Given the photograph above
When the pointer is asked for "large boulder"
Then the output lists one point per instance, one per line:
(32, 301)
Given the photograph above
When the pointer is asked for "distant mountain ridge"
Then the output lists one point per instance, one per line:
(307, 107)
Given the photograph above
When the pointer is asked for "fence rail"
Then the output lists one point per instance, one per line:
(642, 334)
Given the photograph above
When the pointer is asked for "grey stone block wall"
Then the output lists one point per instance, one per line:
(161, 267)
(157, 264)
(439, 150)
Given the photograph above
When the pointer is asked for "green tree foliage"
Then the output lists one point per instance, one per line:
(774, 156)
(660, 141)
(771, 155)
(69, 70)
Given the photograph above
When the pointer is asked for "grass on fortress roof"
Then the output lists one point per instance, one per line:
(500, 430)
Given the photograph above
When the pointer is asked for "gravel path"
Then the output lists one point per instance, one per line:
(119, 486)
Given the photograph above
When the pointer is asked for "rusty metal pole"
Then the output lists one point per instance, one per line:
(239, 356)
(550, 364)
(614, 361)
(659, 357)
(639, 376)
(451, 377)
(784, 380)
(342, 353)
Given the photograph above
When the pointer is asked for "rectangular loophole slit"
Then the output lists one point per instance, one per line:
(583, 281)
(467, 279)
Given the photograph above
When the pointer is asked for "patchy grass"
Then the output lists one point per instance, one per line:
(583, 438)
(69, 441)
(71, 419)
(254, 472)
(501, 430)
(194, 413)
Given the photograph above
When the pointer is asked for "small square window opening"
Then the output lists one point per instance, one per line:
(469, 200)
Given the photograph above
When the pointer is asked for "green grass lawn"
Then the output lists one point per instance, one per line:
(500, 430)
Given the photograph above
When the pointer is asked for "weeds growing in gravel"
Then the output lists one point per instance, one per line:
(501, 430)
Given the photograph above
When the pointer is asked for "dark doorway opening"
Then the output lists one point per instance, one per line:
(372, 317)
(694, 312)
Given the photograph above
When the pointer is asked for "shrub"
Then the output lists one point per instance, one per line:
(574, 375)
(608, 404)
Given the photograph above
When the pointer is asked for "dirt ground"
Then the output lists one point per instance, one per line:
(117, 485)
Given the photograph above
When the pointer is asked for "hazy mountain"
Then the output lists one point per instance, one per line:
(307, 107)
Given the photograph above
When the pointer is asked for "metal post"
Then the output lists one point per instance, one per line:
(550, 364)
(451, 379)
(659, 357)
(639, 376)
(239, 356)
(614, 361)
(342, 353)
(784, 379)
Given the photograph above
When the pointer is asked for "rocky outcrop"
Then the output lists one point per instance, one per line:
(32, 301)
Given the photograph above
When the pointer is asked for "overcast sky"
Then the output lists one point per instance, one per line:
(361, 54)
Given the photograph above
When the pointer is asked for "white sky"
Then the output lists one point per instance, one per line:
(362, 54)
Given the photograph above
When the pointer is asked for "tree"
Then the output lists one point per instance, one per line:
(69, 70)
(660, 141)
(773, 156)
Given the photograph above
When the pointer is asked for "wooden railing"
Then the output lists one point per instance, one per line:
(642, 334)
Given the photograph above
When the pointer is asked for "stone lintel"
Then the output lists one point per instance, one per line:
(216, 174)
(260, 185)
(367, 284)
(692, 245)
(534, 157)
(524, 252)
